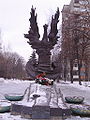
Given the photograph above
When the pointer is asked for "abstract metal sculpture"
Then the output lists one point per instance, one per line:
(42, 47)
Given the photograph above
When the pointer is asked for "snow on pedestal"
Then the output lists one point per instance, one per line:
(47, 98)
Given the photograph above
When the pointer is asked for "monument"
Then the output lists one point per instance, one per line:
(43, 47)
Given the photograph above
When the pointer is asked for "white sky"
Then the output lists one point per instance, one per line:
(14, 21)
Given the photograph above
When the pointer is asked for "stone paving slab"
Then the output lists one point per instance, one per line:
(40, 112)
(16, 109)
(55, 112)
(51, 118)
(66, 112)
(26, 112)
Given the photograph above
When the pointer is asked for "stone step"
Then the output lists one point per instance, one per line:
(39, 112)
(52, 118)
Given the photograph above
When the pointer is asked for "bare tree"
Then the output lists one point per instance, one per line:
(76, 36)
(12, 66)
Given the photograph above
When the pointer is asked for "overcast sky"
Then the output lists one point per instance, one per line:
(14, 21)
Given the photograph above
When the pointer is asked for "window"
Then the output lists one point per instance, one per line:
(76, 1)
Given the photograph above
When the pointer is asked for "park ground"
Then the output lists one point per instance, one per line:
(67, 89)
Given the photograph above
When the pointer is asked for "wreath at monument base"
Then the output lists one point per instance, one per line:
(74, 99)
(5, 106)
(13, 97)
(82, 110)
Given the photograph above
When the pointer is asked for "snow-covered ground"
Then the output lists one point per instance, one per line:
(18, 86)
(75, 89)
(12, 86)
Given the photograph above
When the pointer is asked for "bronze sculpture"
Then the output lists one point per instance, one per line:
(42, 47)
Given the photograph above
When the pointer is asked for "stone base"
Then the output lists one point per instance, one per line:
(55, 112)
(16, 109)
(26, 112)
(66, 112)
(39, 112)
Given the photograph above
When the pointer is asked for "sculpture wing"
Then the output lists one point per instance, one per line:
(33, 33)
(53, 31)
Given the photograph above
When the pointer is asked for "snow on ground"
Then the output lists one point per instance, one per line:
(12, 86)
(75, 89)
(84, 86)
(18, 86)
(7, 116)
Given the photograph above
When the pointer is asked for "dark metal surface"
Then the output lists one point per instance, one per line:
(43, 47)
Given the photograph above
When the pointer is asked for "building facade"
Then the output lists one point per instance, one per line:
(76, 37)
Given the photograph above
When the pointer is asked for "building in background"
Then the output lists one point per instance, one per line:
(75, 39)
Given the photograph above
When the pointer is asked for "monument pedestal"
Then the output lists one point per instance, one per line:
(47, 106)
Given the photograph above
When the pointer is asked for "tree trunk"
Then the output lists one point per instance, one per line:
(79, 68)
(71, 71)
